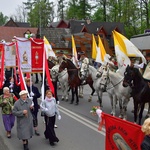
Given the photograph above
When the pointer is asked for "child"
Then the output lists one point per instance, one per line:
(49, 107)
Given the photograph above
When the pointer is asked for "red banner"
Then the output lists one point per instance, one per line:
(121, 134)
(37, 48)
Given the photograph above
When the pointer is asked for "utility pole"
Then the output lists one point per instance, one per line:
(39, 17)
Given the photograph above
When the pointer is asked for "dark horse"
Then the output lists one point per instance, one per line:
(140, 90)
(73, 79)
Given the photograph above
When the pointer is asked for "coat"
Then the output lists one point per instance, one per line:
(145, 145)
(24, 123)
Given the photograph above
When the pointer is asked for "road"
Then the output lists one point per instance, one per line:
(77, 130)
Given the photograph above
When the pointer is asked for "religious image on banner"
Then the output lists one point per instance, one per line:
(25, 58)
(10, 55)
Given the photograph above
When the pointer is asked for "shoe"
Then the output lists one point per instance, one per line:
(52, 143)
(55, 126)
(8, 134)
(37, 133)
(25, 147)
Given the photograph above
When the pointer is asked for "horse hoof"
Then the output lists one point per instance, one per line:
(71, 102)
(66, 100)
(76, 103)
(62, 99)
(89, 100)
(81, 96)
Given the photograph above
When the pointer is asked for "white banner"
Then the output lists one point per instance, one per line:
(10, 55)
(24, 48)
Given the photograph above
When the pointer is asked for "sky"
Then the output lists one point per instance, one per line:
(8, 7)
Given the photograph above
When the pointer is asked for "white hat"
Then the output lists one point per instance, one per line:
(5, 89)
(23, 92)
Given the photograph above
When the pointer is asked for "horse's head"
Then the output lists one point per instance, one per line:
(54, 72)
(104, 80)
(100, 70)
(84, 70)
(129, 75)
(63, 65)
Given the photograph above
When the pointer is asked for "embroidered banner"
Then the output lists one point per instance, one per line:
(121, 134)
(37, 47)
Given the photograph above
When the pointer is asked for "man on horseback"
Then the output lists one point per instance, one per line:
(60, 56)
(83, 64)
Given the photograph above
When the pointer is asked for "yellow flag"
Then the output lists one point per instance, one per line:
(102, 49)
(121, 53)
(74, 52)
(130, 49)
(48, 48)
(94, 47)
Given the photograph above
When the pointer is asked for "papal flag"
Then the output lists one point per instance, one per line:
(74, 52)
(94, 47)
(121, 54)
(131, 49)
(48, 48)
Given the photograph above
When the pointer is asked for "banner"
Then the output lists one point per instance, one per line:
(24, 50)
(121, 134)
(37, 49)
(10, 55)
(94, 47)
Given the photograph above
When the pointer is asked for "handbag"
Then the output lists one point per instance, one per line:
(42, 113)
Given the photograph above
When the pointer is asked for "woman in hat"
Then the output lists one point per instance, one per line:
(7, 101)
(22, 110)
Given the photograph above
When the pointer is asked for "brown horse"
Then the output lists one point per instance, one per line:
(73, 79)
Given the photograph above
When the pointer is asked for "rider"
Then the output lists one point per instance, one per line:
(60, 56)
(83, 62)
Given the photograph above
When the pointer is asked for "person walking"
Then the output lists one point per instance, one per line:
(7, 101)
(145, 145)
(22, 110)
(35, 94)
(49, 107)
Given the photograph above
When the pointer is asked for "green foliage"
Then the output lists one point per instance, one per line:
(3, 19)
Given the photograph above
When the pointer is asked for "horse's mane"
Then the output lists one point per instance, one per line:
(71, 64)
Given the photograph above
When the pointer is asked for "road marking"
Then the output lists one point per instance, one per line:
(82, 120)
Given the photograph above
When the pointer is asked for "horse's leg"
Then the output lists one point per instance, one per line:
(55, 89)
(141, 113)
(125, 103)
(76, 93)
(63, 89)
(113, 104)
(93, 91)
(72, 100)
(81, 91)
(148, 112)
(66, 91)
(99, 94)
(135, 110)
(121, 108)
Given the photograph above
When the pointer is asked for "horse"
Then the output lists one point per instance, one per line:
(95, 75)
(62, 77)
(74, 79)
(112, 82)
(140, 90)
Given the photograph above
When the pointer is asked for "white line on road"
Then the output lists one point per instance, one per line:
(82, 120)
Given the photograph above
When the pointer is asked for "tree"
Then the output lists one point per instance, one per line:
(40, 12)
(3, 19)
(61, 9)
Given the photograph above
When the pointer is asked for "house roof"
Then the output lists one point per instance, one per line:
(7, 33)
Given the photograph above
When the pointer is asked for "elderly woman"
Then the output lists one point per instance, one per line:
(146, 130)
(7, 101)
(22, 110)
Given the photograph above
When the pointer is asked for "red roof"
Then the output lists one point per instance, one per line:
(7, 33)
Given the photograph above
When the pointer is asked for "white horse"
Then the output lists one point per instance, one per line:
(123, 94)
(95, 77)
(62, 78)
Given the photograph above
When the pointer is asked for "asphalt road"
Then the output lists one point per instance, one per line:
(77, 130)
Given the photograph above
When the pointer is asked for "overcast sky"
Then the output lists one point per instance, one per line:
(8, 7)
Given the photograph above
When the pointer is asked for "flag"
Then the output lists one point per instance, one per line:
(131, 49)
(122, 134)
(94, 47)
(48, 48)
(101, 53)
(121, 54)
(74, 52)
